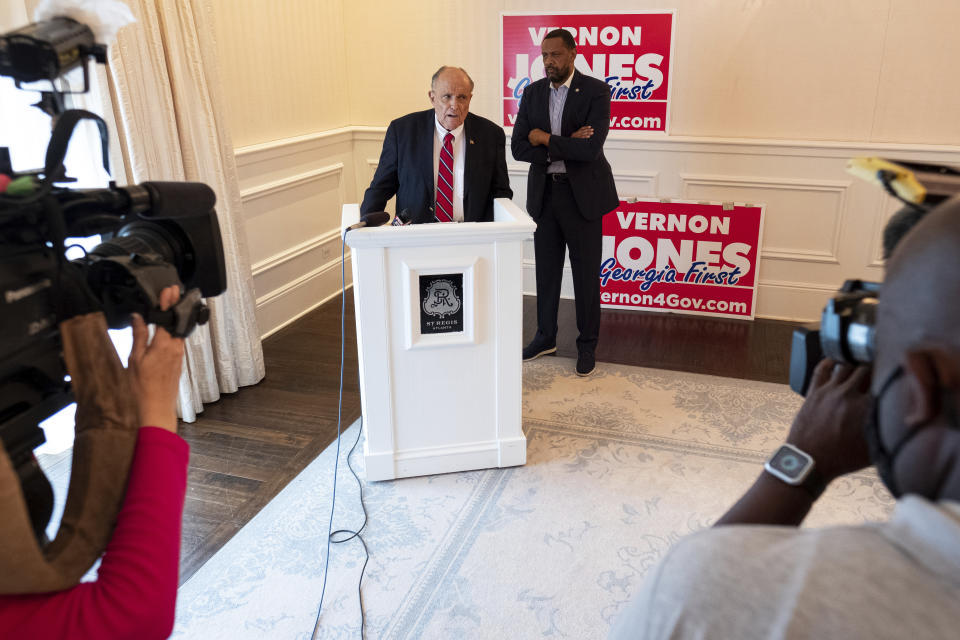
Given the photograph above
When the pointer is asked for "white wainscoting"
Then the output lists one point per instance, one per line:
(292, 193)
(821, 225)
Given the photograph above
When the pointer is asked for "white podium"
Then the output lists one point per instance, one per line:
(439, 311)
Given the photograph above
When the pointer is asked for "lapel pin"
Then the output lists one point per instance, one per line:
(471, 141)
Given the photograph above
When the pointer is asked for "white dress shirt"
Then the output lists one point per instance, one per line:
(558, 98)
(458, 155)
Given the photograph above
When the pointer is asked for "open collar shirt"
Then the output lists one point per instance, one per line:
(558, 98)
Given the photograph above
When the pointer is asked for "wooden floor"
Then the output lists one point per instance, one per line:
(249, 445)
(245, 448)
(757, 350)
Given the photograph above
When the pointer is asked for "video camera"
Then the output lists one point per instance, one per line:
(846, 329)
(845, 333)
(155, 234)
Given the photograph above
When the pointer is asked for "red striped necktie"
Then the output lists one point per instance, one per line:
(445, 181)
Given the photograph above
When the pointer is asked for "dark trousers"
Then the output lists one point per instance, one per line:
(561, 227)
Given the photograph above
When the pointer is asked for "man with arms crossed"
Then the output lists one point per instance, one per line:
(561, 126)
(444, 164)
(895, 579)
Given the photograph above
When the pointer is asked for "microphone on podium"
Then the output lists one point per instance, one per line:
(402, 219)
(372, 219)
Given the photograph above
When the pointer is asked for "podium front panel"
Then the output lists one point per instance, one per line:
(439, 321)
(441, 300)
(445, 380)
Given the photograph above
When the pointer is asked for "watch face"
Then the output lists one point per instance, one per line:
(790, 462)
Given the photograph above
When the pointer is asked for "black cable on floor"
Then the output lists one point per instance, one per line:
(344, 535)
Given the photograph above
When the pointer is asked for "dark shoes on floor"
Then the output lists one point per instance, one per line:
(586, 363)
(539, 346)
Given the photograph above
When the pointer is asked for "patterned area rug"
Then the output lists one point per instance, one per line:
(620, 466)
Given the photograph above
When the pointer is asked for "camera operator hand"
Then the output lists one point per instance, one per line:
(829, 425)
(134, 595)
(154, 367)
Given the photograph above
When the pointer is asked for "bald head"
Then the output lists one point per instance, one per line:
(450, 92)
(918, 337)
(921, 290)
(458, 73)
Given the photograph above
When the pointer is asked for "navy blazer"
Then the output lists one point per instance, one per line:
(591, 179)
(406, 168)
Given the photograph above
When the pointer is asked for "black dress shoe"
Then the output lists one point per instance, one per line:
(539, 346)
(586, 363)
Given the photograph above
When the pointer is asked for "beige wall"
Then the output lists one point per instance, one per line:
(854, 70)
(819, 70)
(310, 84)
(395, 47)
(769, 99)
(13, 14)
(283, 66)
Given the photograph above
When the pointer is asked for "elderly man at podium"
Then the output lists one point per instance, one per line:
(443, 164)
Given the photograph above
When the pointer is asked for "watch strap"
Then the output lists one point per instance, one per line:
(814, 484)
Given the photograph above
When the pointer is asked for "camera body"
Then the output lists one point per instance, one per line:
(846, 329)
(157, 234)
(845, 333)
(154, 235)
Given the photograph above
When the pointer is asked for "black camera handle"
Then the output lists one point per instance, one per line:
(60, 139)
(53, 170)
(182, 318)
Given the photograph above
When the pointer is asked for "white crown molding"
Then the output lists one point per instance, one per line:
(296, 251)
(286, 146)
(521, 170)
(276, 186)
(368, 134)
(261, 302)
(627, 141)
(350, 149)
(280, 292)
(838, 187)
(619, 140)
(805, 286)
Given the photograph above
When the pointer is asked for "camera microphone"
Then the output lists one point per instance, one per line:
(48, 49)
(372, 219)
(166, 200)
(172, 199)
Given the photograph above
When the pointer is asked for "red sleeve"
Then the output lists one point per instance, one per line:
(135, 592)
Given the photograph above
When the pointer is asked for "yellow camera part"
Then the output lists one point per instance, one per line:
(902, 180)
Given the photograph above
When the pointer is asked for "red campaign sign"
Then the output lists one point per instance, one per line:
(631, 52)
(684, 257)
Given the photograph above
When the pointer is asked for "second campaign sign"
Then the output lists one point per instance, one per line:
(631, 52)
(686, 257)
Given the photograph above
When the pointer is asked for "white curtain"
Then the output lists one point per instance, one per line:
(168, 107)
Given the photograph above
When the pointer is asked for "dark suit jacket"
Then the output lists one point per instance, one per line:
(406, 168)
(591, 179)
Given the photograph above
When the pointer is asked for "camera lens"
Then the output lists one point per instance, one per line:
(144, 238)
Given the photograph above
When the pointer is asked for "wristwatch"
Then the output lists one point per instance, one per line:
(796, 468)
